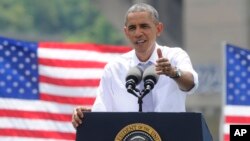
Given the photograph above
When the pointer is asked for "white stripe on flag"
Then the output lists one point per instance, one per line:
(36, 124)
(237, 110)
(67, 91)
(70, 73)
(36, 105)
(226, 128)
(67, 54)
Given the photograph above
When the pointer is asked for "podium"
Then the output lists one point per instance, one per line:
(139, 126)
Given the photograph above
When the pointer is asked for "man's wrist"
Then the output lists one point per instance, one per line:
(176, 74)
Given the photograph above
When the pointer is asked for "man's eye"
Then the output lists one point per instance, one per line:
(145, 26)
(131, 28)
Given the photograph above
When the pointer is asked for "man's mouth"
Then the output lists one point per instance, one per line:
(138, 42)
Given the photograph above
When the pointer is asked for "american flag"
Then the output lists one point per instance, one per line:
(41, 83)
(237, 98)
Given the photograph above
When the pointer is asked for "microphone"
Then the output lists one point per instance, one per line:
(150, 78)
(133, 78)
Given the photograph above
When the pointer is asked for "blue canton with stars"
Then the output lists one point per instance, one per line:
(237, 75)
(18, 69)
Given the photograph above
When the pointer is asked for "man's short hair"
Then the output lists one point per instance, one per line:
(142, 7)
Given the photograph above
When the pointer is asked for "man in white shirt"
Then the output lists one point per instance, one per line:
(173, 65)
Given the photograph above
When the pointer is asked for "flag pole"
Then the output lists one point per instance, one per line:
(223, 90)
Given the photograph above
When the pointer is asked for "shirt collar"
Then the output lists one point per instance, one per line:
(151, 60)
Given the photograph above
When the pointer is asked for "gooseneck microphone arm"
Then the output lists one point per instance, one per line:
(133, 91)
(138, 94)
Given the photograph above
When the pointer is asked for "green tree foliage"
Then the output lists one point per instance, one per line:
(72, 20)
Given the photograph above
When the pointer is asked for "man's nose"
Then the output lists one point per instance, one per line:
(138, 32)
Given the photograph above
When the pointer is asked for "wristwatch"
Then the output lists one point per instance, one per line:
(177, 73)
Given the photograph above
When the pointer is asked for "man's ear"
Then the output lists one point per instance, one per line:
(125, 30)
(159, 28)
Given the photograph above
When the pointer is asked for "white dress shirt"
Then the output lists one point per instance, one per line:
(112, 95)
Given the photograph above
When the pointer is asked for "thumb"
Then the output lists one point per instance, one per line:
(159, 53)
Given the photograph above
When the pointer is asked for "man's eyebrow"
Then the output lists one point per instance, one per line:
(142, 24)
(132, 25)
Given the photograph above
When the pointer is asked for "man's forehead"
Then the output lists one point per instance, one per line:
(139, 18)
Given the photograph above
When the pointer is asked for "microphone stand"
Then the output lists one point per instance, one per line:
(139, 96)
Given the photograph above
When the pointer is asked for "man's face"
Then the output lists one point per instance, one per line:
(142, 30)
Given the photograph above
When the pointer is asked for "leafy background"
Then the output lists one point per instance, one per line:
(64, 20)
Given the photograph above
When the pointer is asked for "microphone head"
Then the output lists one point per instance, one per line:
(150, 73)
(134, 73)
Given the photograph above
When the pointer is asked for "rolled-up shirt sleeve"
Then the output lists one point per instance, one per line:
(183, 61)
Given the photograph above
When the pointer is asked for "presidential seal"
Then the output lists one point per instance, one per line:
(137, 132)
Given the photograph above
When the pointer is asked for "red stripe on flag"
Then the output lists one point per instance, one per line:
(226, 137)
(70, 82)
(68, 100)
(36, 134)
(85, 46)
(35, 115)
(237, 119)
(71, 63)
